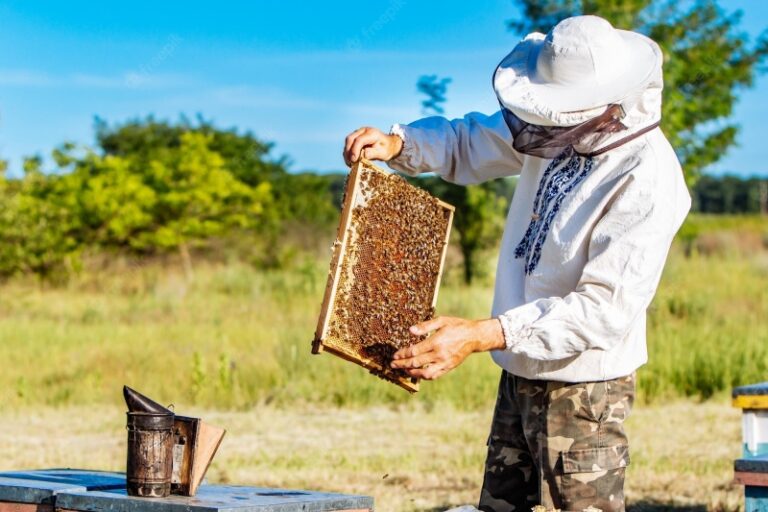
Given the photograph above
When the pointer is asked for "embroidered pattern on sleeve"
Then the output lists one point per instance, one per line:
(556, 183)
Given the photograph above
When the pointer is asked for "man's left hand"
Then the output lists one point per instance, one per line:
(452, 341)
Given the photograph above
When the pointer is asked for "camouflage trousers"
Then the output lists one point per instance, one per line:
(557, 444)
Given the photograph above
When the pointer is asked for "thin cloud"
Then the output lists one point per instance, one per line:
(126, 80)
(24, 78)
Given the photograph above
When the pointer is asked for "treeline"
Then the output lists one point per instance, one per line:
(151, 187)
(730, 194)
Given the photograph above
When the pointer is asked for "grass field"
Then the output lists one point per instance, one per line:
(237, 336)
(234, 345)
(409, 459)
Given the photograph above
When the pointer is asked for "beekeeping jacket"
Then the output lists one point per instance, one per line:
(585, 240)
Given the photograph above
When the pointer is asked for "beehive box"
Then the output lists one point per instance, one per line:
(36, 491)
(753, 400)
(385, 270)
(216, 498)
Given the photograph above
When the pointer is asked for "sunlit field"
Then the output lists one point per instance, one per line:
(233, 343)
(409, 458)
(235, 336)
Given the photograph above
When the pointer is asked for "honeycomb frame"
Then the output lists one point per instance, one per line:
(326, 339)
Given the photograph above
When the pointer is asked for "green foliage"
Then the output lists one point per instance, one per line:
(435, 89)
(36, 227)
(309, 197)
(303, 197)
(707, 61)
(154, 187)
(163, 200)
(245, 156)
(186, 183)
(112, 201)
(730, 194)
(479, 223)
(479, 216)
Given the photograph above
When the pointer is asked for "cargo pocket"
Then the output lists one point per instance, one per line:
(594, 477)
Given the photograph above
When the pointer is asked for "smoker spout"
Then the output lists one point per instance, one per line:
(137, 402)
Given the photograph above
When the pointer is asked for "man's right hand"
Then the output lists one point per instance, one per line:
(376, 144)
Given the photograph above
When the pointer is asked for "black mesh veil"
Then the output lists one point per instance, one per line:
(550, 141)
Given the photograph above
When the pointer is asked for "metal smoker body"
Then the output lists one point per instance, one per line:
(167, 454)
(150, 454)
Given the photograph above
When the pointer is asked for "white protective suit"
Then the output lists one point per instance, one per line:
(572, 294)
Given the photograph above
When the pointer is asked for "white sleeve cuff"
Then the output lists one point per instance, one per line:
(405, 161)
(516, 324)
(511, 329)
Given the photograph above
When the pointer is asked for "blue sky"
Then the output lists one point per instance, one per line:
(299, 74)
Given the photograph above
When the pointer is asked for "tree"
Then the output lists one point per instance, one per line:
(479, 208)
(163, 199)
(730, 194)
(707, 61)
(36, 226)
(151, 187)
(479, 216)
(245, 156)
(435, 89)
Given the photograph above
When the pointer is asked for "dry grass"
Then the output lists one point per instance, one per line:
(408, 459)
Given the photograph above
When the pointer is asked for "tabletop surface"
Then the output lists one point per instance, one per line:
(211, 498)
(752, 464)
(40, 486)
(760, 388)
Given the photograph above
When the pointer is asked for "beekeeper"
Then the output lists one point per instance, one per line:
(599, 199)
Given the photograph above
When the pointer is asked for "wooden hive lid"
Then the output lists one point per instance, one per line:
(753, 396)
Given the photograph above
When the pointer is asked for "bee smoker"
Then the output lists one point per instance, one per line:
(150, 446)
(167, 454)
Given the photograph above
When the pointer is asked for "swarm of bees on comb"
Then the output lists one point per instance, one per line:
(385, 271)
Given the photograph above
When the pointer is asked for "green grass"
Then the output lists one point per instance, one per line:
(236, 336)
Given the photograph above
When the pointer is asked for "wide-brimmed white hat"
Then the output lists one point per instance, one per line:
(571, 74)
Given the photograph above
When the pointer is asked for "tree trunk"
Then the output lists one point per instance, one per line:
(186, 261)
(468, 255)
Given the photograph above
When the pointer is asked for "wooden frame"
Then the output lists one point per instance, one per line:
(352, 198)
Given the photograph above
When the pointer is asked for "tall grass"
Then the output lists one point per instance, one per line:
(236, 336)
